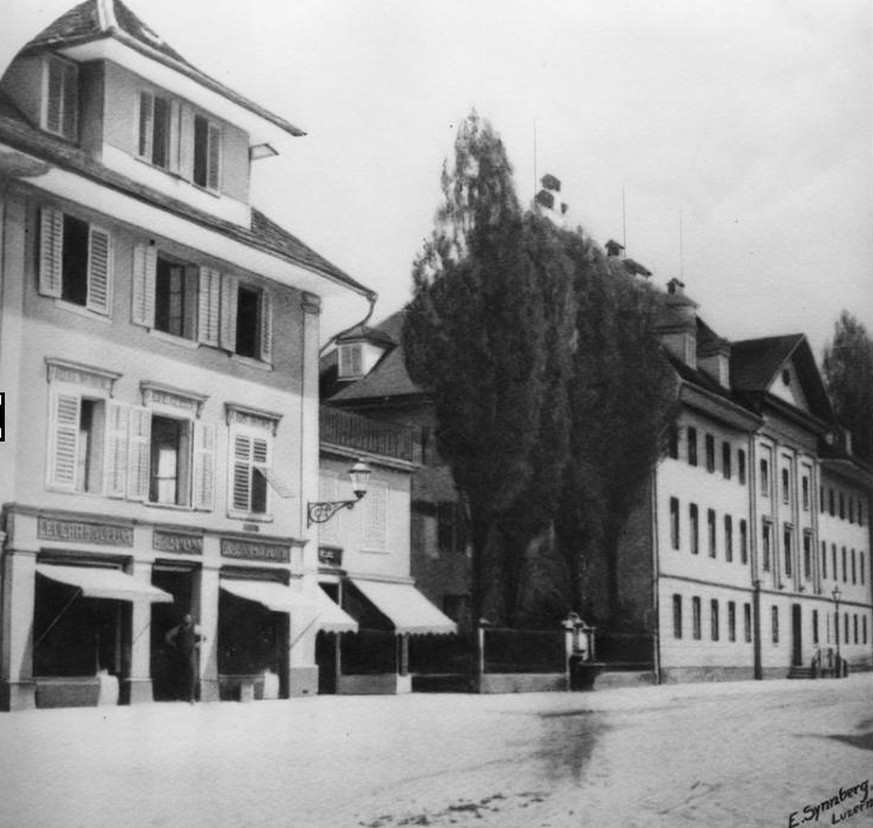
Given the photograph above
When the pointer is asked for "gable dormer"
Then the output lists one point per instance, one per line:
(102, 80)
(359, 351)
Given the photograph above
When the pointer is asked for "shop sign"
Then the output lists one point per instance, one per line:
(253, 551)
(330, 555)
(172, 542)
(82, 532)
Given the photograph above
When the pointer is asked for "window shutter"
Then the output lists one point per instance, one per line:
(329, 532)
(63, 449)
(70, 124)
(204, 466)
(175, 144)
(146, 124)
(51, 251)
(376, 517)
(115, 466)
(186, 141)
(266, 327)
(242, 476)
(229, 292)
(54, 95)
(213, 172)
(138, 453)
(145, 258)
(99, 271)
(209, 299)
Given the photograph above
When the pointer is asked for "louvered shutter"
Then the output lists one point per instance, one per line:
(329, 532)
(54, 95)
(204, 466)
(266, 327)
(213, 171)
(186, 141)
(99, 270)
(115, 463)
(376, 517)
(138, 453)
(209, 300)
(229, 293)
(242, 473)
(63, 448)
(175, 159)
(69, 124)
(51, 251)
(145, 258)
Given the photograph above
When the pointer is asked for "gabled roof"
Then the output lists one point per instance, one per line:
(264, 234)
(98, 19)
(389, 377)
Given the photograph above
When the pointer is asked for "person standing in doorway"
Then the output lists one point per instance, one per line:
(185, 639)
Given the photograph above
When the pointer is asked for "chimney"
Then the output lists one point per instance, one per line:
(714, 359)
(677, 324)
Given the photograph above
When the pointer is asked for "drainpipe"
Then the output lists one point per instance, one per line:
(656, 576)
(756, 628)
(752, 477)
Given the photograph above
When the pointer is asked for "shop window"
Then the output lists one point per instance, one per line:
(774, 624)
(677, 616)
(61, 107)
(726, 460)
(747, 623)
(695, 619)
(728, 538)
(710, 453)
(713, 619)
(732, 621)
(741, 466)
(170, 455)
(176, 286)
(694, 528)
(744, 542)
(674, 522)
(692, 446)
(207, 153)
(74, 261)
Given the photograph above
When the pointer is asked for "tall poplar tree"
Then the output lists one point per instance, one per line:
(848, 369)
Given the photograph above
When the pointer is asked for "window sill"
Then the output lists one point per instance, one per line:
(172, 339)
(250, 517)
(172, 507)
(81, 310)
(251, 362)
(375, 551)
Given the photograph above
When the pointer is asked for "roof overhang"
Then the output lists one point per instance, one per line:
(845, 468)
(718, 407)
(185, 81)
(139, 213)
(807, 421)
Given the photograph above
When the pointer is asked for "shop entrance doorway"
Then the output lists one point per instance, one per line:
(167, 672)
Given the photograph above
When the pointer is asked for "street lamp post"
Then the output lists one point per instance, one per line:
(836, 593)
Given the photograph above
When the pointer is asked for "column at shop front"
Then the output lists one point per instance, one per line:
(302, 669)
(138, 685)
(206, 615)
(17, 688)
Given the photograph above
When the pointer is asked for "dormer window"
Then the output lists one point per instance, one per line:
(61, 97)
(155, 129)
(207, 153)
(350, 360)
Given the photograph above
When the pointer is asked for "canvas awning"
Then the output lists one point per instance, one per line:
(406, 607)
(333, 618)
(99, 582)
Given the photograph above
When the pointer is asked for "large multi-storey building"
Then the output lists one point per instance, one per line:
(159, 358)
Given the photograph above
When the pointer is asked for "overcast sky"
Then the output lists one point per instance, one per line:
(751, 120)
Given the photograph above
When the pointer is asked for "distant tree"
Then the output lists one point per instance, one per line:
(622, 399)
(848, 369)
(478, 334)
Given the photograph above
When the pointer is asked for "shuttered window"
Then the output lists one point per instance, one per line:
(75, 261)
(61, 97)
(158, 131)
(376, 517)
(207, 153)
(248, 491)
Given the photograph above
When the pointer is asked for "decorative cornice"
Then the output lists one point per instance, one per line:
(157, 393)
(64, 370)
(245, 415)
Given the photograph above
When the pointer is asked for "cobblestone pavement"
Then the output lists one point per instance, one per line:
(736, 755)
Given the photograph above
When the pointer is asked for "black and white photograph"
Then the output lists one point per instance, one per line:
(436, 413)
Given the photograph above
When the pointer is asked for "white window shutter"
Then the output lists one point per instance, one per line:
(266, 327)
(145, 259)
(204, 466)
(229, 293)
(138, 453)
(327, 491)
(146, 125)
(213, 172)
(115, 464)
(376, 517)
(51, 251)
(186, 141)
(209, 300)
(175, 144)
(63, 448)
(70, 122)
(242, 474)
(99, 271)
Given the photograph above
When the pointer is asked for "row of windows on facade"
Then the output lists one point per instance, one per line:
(837, 502)
(172, 136)
(715, 617)
(104, 447)
(710, 449)
(857, 564)
(176, 297)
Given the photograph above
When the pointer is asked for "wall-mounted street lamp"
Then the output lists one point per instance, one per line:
(322, 512)
(836, 593)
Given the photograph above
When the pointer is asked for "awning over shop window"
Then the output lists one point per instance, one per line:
(406, 607)
(332, 618)
(97, 582)
(271, 594)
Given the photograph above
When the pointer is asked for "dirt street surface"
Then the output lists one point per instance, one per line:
(737, 755)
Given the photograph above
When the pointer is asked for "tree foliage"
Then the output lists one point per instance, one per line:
(848, 368)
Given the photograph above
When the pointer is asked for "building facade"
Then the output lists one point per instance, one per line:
(159, 358)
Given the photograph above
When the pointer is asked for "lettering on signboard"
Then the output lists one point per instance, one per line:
(174, 542)
(82, 532)
(253, 551)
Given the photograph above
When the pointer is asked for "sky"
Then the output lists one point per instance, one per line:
(727, 142)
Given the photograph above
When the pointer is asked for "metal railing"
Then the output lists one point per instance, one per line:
(343, 428)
